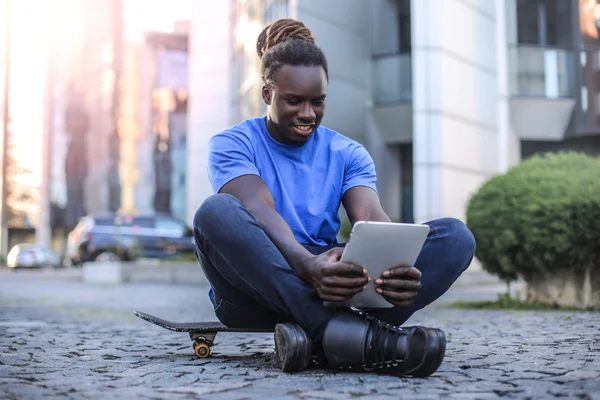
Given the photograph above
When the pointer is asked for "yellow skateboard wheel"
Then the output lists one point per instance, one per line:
(202, 350)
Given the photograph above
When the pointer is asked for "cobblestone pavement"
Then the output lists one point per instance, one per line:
(60, 338)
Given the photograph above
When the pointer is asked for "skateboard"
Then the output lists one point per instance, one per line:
(202, 333)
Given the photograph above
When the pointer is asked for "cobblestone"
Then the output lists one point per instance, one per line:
(62, 338)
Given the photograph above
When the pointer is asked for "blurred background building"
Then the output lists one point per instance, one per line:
(443, 93)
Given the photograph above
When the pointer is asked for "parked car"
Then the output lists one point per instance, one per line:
(27, 255)
(127, 237)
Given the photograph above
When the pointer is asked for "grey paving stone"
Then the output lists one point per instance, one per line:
(61, 338)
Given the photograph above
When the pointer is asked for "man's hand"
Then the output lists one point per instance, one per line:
(332, 279)
(399, 285)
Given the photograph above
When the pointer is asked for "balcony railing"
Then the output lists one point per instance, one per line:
(541, 71)
(533, 71)
(392, 78)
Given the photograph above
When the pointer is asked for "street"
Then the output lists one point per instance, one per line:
(60, 337)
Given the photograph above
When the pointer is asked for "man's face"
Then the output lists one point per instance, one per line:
(296, 100)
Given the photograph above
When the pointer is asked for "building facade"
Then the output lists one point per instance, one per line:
(119, 137)
(443, 94)
(86, 145)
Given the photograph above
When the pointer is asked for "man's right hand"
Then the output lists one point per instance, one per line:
(332, 279)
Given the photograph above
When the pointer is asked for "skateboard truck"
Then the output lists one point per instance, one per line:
(202, 342)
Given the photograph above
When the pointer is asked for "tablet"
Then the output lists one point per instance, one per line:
(378, 246)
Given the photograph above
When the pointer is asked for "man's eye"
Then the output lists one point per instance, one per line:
(318, 102)
(293, 101)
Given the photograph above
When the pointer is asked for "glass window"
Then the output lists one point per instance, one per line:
(545, 22)
(542, 71)
(105, 221)
(406, 183)
(391, 27)
(143, 222)
(392, 78)
(169, 227)
(589, 101)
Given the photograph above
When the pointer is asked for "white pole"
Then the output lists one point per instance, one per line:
(503, 85)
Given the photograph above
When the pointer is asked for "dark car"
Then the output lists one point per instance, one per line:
(127, 237)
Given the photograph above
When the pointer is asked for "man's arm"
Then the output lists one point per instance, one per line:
(362, 204)
(256, 197)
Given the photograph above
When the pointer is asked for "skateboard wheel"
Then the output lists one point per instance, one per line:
(202, 350)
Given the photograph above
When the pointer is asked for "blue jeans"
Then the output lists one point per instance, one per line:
(253, 286)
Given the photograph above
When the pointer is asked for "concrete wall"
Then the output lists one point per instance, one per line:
(454, 103)
(340, 28)
(210, 81)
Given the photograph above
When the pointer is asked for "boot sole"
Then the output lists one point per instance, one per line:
(296, 355)
(433, 357)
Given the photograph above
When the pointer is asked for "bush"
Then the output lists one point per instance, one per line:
(345, 229)
(541, 216)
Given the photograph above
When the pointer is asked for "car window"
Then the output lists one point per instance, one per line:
(169, 227)
(143, 222)
(105, 221)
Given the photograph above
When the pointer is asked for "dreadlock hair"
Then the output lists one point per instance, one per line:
(287, 41)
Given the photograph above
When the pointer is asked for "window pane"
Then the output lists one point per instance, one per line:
(169, 227)
(391, 27)
(392, 78)
(105, 221)
(536, 71)
(143, 222)
(590, 102)
(545, 22)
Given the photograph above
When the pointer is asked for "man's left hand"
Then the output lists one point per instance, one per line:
(399, 285)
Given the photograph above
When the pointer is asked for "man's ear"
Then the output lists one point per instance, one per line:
(266, 94)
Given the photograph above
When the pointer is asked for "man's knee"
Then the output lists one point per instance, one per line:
(214, 208)
(461, 238)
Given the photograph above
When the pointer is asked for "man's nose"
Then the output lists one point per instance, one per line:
(306, 112)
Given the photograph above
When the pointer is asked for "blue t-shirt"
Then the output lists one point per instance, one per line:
(307, 182)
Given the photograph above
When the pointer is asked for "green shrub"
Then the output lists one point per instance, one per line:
(541, 216)
(345, 229)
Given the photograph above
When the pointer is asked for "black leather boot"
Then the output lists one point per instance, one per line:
(293, 348)
(358, 341)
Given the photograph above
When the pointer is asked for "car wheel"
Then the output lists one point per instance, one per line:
(107, 256)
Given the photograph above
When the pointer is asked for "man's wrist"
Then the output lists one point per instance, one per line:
(300, 263)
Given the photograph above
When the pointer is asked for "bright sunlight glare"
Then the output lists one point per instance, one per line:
(38, 23)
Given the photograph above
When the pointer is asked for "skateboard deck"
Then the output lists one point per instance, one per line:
(202, 333)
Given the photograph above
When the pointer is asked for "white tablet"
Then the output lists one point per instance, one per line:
(378, 246)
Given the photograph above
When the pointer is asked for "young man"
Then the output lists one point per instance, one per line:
(267, 239)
